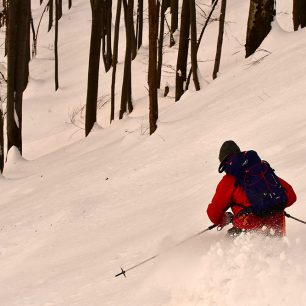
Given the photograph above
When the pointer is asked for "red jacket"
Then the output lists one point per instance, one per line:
(227, 194)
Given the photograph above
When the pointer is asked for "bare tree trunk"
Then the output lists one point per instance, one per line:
(60, 9)
(161, 42)
(152, 66)
(200, 38)
(220, 39)
(261, 15)
(94, 64)
(174, 4)
(181, 66)
(109, 55)
(139, 23)
(106, 34)
(115, 59)
(299, 14)
(171, 38)
(193, 44)
(126, 96)
(35, 33)
(56, 44)
(133, 33)
(50, 14)
(18, 61)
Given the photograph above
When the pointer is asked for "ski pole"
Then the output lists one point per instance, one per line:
(123, 272)
(296, 219)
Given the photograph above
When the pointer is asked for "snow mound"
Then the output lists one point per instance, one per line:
(245, 271)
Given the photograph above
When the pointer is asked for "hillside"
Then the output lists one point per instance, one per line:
(74, 210)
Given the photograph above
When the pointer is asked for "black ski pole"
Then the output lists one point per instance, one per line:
(296, 219)
(123, 272)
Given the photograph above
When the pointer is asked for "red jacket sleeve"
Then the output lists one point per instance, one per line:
(289, 191)
(222, 199)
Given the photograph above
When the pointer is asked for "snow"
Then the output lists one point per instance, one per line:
(74, 210)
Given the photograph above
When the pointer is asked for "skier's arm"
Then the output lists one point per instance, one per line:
(221, 200)
(289, 191)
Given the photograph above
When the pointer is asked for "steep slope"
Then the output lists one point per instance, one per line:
(71, 218)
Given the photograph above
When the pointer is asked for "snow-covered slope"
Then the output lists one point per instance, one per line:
(76, 210)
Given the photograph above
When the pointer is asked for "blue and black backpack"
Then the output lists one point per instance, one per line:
(257, 178)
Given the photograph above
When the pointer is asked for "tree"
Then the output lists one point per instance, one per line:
(181, 65)
(193, 44)
(220, 39)
(57, 17)
(174, 14)
(139, 30)
(261, 15)
(50, 5)
(18, 56)
(107, 34)
(160, 41)
(59, 13)
(94, 65)
(115, 58)
(299, 14)
(35, 32)
(152, 78)
(201, 36)
(126, 96)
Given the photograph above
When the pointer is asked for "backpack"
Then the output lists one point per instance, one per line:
(262, 187)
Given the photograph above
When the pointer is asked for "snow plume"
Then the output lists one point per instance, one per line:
(247, 271)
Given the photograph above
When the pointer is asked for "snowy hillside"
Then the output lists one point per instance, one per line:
(75, 210)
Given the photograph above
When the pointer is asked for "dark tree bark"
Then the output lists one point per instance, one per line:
(133, 33)
(193, 44)
(161, 42)
(94, 64)
(35, 33)
(69, 4)
(201, 36)
(220, 39)
(126, 95)
(115, 59)
(181, 66)
(57, 17)
(50, 14)
(299, 14)
(107, 34)
(59, 9)
(139, 23)
(152, 78)
(174, 4)
(172, 41)
(18, 61)
(128, 17)
(109, 31)
(261, 15)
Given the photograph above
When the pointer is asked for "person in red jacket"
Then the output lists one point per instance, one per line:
(230, 195)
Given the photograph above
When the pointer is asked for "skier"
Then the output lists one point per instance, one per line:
(232, 192)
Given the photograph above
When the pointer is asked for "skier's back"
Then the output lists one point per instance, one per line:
(233, 192)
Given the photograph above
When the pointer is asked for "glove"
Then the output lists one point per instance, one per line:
(227, 218)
